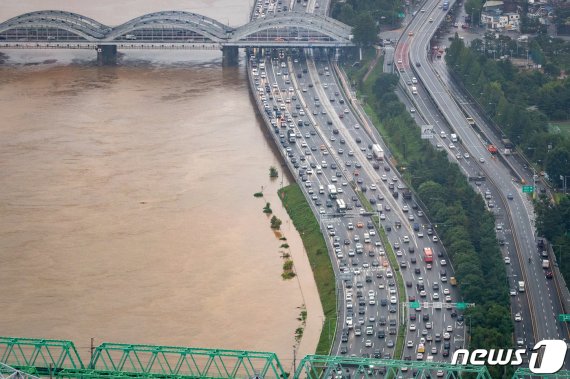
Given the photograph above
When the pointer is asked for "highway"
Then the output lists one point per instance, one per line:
(337, 151)
(539, 304)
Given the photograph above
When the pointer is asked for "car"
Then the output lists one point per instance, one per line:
(434, 350)
(446, 291)
(410, 344)
(443, 262)
(393, 300)
(482, 160)
(446, 336)
(513, 292)
(390, 343)
(435, 239)
(343, 349)
(410, 34)
(548, 274)
(518, 317)
(420, 356)
(520, 341)
(507, 260)
(430, 19)
(466, 155)
(412, 327)
(449, 328)
(368, 343)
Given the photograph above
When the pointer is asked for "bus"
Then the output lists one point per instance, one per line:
(428, 255)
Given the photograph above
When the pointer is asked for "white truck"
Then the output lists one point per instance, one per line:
(378, 152)
(453, 137)
(521, 286)
(332, 191)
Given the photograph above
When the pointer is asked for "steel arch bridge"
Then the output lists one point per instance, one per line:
(58, 28)
(60, 359)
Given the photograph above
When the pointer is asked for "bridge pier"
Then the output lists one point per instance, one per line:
(106, 55)
(230, 56)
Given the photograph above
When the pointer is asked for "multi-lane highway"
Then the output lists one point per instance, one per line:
(539, 305)
(329, 147)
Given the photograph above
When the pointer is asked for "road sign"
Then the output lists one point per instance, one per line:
(427, 132)
(563, 317)
(414, 304)
(528, 189)
(461, 305)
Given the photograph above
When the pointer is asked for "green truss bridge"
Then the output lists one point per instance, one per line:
(35, 358)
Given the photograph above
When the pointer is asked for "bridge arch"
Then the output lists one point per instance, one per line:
(74, 23)
(295, 26)
(206, 27)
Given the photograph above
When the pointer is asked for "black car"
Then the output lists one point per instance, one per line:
(381, 334)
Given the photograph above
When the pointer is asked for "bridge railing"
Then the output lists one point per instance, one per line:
(59, 358)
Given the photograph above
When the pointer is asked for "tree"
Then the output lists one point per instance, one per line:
(275, 223)
(273, 173)
(364, 30)
(473, 8)
(557, 164)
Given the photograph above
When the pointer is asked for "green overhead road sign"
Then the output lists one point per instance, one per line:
(563, 317)
(528, 189)
(461, 305)
(414, 304)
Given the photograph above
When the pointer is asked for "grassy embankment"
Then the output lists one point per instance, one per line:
(313, 240)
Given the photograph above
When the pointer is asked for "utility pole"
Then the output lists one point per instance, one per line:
(92, 348)
(294, 360)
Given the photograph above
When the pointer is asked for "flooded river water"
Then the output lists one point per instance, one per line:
(126, 200)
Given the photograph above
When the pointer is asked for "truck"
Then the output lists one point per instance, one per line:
(341, 205)
(545, 263)
(292, 136)
(453, 137)
(378, 152)
(332, 191)
(521, 286)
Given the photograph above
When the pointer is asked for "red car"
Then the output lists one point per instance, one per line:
(548, 274)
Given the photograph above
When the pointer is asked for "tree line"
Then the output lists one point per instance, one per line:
(458, 214)
(367, 16)
(521, 102)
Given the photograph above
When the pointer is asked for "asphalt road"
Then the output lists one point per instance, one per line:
(517, 224)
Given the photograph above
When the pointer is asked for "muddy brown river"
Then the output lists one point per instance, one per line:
(126, 200)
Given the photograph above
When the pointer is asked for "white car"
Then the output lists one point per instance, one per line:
(368, 343)
(507, 260)
(443, 262)
(382, 216)
(384, 178)
(446, 291)
(518, 317)
(446, 336)
(449, 329)
(412, 327)
(393, 300)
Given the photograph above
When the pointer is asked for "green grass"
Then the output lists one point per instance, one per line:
(358, 72)
(560, 127)
(313, 240)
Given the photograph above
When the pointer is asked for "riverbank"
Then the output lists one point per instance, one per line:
(306, 224)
